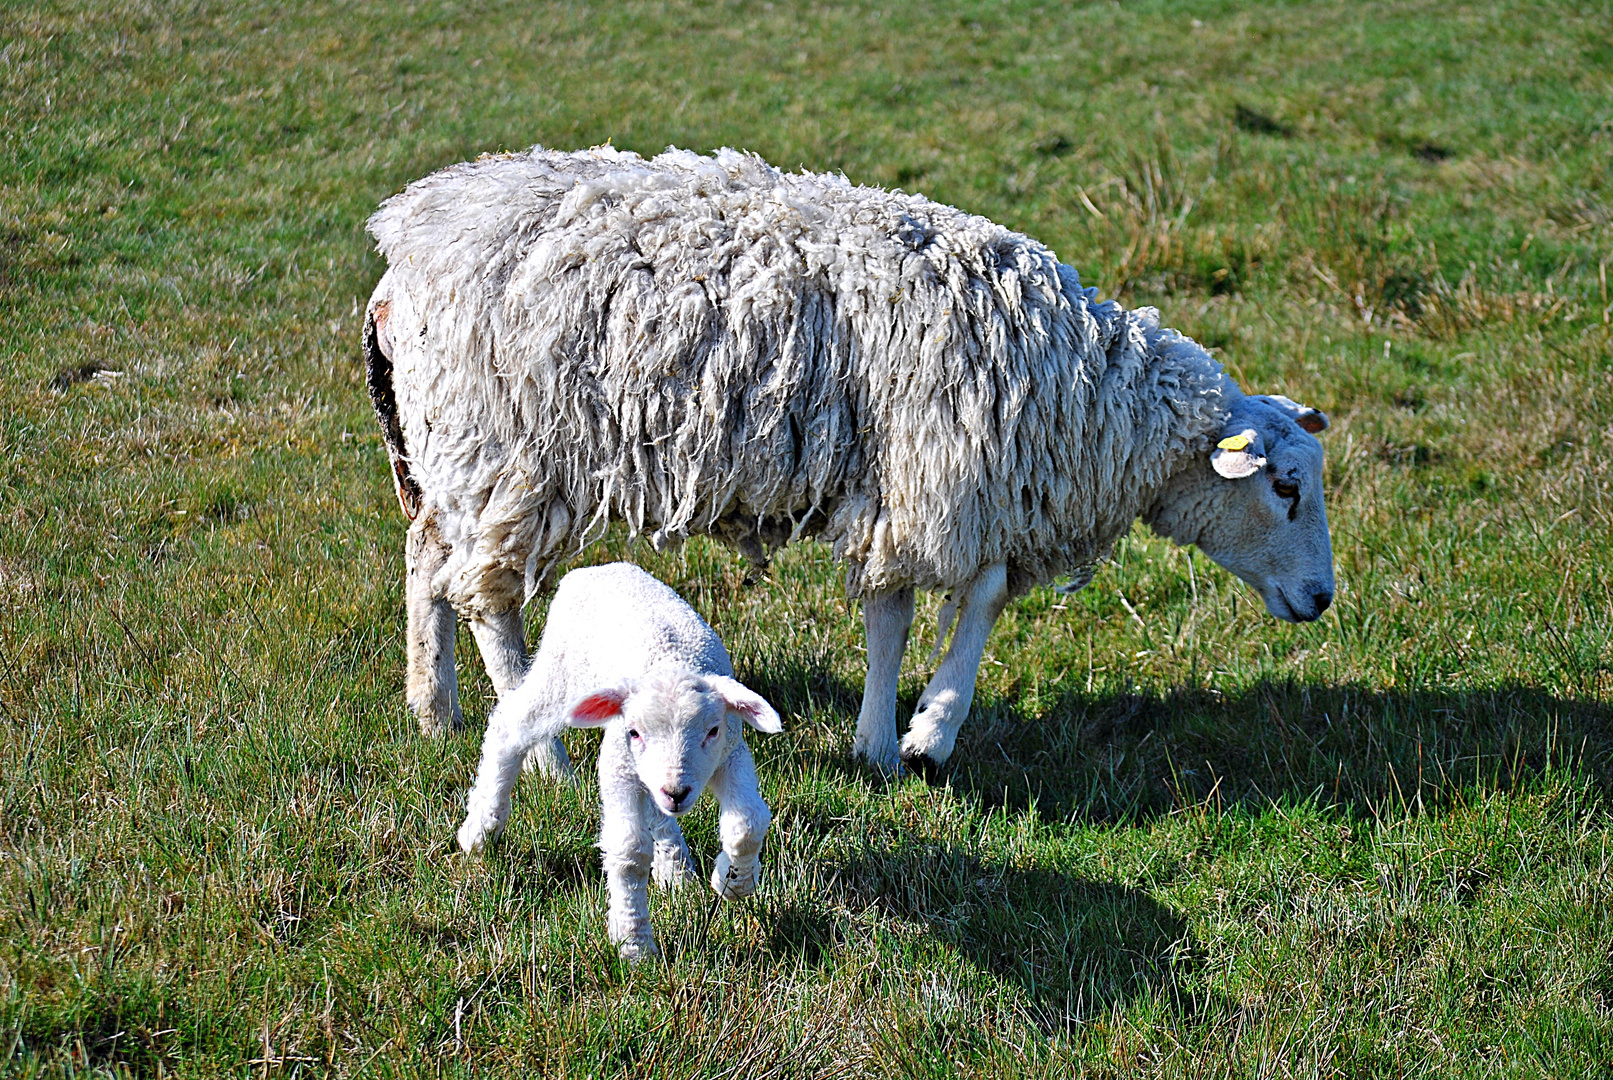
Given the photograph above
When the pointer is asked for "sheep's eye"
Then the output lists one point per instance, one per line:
(631, 734)
(712, 734)
(1285, 489)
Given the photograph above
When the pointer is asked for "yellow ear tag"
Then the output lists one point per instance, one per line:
(1234, 442)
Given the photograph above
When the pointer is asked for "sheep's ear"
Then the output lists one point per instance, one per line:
(1239, 454)
(751, 706)
(1312, 420)
(598, 708)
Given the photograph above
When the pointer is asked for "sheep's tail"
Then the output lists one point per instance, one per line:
(378, 377)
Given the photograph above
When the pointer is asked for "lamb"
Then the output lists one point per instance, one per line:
(624, 652)
(707, 345)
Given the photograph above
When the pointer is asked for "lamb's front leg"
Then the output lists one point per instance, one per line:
(501, 638)
(887, 617)
(743, 825)
(627, 841)
(511, 731)
(945, 702)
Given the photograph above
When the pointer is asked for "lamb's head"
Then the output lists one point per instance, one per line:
(1254, 505)
(679, 726)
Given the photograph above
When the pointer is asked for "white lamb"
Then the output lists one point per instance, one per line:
(624, 652)
(708, 345)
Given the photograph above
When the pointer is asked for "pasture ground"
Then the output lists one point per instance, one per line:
(1179, 837)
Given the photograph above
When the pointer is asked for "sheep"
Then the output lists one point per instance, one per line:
(707, 345)
(624, 652)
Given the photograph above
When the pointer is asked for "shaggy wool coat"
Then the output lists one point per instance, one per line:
(697, 344)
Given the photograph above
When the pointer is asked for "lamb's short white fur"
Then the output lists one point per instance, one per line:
(624, 652)
(708, 345)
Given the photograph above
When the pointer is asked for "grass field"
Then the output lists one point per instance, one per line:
(1179, 838)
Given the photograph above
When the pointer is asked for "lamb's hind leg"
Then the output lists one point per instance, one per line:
(432, 689)
(672, 865)
(944, 705)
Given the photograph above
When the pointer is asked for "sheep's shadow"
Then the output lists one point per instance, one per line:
(1076, 947)
(1133, 756)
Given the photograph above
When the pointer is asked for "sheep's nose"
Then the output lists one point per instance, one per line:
(1321, 600)
(676, 794)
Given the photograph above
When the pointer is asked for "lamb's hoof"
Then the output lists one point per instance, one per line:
(672, 871)
(475, 836)
(925, 766)
(730, 883)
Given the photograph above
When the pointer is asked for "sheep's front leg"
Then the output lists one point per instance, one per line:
(945, 702)
(431, 687)
(743, 825)
(627, 840)
(673, 865)
(887, 617)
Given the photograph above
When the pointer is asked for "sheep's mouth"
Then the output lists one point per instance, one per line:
(1290, 611)
(1279, 606)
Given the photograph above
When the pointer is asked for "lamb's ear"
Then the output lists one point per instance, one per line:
(751, 706)
(598, 708)
(1239, 454)
(1312, 420)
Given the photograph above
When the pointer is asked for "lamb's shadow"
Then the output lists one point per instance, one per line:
(1133, 756)
(1075, 946)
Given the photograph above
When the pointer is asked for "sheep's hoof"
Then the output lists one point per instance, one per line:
(550, 759)
(437, 718)
(886, 761)
(924, 765)
(637, 950)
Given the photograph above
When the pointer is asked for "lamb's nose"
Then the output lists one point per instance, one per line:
(1321, 600)
(676, 794)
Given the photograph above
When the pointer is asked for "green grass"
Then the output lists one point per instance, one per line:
(1179, 838)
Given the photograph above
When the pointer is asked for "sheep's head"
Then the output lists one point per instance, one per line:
(678, 726)
(1254, 505)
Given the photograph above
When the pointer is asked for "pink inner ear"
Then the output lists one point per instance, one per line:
(597, 708)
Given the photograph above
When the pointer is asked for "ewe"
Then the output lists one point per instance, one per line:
(708, 345)
(624, 652)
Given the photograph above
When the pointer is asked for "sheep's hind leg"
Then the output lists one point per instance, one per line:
(887, 617)
(502, 641)
(672, 865)
(432, 689)
(944, 705)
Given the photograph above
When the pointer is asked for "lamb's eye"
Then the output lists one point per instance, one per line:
(1285, 489)
(631, 734)
(712, 734)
